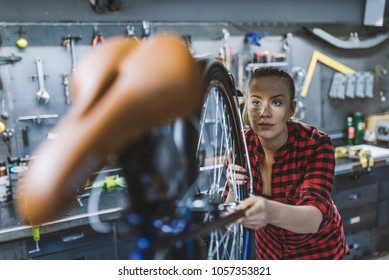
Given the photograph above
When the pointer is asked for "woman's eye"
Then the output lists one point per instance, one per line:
(256, 103)
(277, 102)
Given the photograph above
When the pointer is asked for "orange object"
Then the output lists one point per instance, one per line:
(121, 90)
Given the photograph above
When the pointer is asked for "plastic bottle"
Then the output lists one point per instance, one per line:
(359, 128)
(350, 131)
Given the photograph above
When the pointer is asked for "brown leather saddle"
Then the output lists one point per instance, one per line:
(120, 91)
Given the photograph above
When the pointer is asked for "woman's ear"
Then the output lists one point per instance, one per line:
(245, 115)
(292, 108)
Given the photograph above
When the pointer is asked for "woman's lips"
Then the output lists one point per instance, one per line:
(266, 126)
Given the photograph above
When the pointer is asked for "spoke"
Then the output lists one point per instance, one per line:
(218, 133)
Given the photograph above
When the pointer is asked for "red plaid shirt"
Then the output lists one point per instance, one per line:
(302, 174)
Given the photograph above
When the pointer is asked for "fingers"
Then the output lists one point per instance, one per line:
(236, 174)
(256, 215)
(229, 156)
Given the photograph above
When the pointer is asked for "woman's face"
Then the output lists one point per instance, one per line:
(269, 106)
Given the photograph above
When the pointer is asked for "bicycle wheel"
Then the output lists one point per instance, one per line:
(177, 175)
(219, 132)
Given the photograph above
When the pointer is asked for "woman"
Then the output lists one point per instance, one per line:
(293, 169)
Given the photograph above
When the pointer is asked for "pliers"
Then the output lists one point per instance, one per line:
(97, 38)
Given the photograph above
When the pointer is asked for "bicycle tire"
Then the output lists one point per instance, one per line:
(143, 166)
(218, 85)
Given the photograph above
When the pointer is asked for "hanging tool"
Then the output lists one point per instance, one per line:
(254, 38)
(356, 85)
(326, 60)
(7, 134)
(38, 119)
(42, 95)
(298, 74)
(68, 41)
(36, 236)
(146, 29)
(65, 82)
(12, 59)
(225, 53)
(21, 43)
(379, 72)
(353, 41)
(99, 5)
(97, 38)
(131, 32)
(25, 138)
(4, 113)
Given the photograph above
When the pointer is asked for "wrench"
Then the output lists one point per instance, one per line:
(42, 95)
(4, 114)
(69, 41)
(65, 82)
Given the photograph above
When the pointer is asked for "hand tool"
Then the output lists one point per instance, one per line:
(42, 95)
(37, 236)
(26, 141)
(326, 60)
(146, 29)
(4, 113)
(225, 52)
(9, 59)
(68, 41)
(131, 32)
(7, 134)
(97, 38)
(379, 72)
(353, 42)
(113, 5)
(65, 82)
(254, 38)
(38, 119)
(99, 5)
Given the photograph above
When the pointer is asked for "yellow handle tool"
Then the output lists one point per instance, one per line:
(326, 60)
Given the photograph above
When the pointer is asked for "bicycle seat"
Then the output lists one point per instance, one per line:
(120, 91)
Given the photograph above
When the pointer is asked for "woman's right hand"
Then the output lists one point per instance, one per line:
(235, 173)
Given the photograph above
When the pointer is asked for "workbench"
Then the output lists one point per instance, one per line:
(68, 237)
(362, 198)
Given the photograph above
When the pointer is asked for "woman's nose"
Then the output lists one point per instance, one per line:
(265, 110)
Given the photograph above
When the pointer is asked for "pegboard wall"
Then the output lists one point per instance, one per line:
(30, 119)
(19, 80)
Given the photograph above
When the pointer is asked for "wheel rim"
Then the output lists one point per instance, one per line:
(215, 140)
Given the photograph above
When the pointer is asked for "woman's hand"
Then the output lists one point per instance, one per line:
(235, 173)
(260, 212)
(257, 214)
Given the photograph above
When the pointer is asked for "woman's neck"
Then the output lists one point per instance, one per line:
(270, 146)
